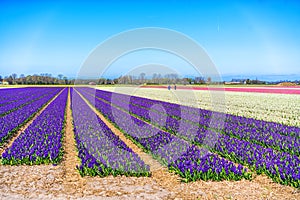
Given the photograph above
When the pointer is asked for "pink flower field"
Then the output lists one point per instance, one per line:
(266, 89)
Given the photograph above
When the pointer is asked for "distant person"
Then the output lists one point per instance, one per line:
(169, 87)
(174, 87)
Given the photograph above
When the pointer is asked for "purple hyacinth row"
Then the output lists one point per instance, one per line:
(41, 142)
(273, 140)
(268, 139)
(169, 149)
(14, 120)
(21, 99)
(281, 167)
(172, 122)
(100, 150)
(178, 111)
(209, 167)
(192, 114)
(8, 95)
(287, 173)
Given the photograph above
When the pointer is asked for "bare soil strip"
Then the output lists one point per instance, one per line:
(23, 128)
(72, 181)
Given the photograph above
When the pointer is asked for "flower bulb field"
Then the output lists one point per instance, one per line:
(149, 143)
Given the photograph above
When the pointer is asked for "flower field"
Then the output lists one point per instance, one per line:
(270, 89)
(279, 108)
(270, 148)
(192, 143)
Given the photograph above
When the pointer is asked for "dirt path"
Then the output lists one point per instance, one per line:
(24, 127)
(72, 181)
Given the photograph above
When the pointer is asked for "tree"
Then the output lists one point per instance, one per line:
(115, 81)
(60, 76)
(1, 79)
(14, 77)
(9, 79)
(130, 79)
(142, 77)
(199, 80)
(101, 81)
(208, 79)
(66, 80)
(21, 79)
(154, 78)
(159, 78)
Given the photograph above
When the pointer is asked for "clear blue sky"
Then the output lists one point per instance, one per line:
(241, 37)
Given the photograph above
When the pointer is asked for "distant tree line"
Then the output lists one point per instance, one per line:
(154, 79)
(157, 79)
(259, 82)
(48, 79)
(42, 79)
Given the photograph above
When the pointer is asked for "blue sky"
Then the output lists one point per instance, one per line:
(241, 37)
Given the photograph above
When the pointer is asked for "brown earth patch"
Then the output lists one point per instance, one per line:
(286, 84)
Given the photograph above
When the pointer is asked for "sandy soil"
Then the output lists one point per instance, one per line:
(64, 182)
(49, 182)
